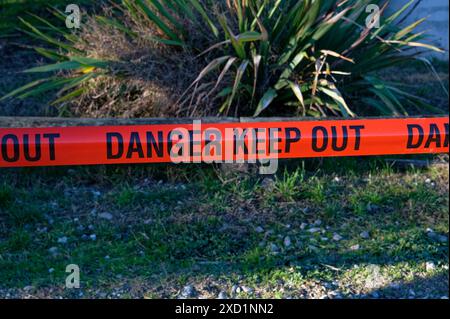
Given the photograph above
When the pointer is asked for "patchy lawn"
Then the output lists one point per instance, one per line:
(338, 228)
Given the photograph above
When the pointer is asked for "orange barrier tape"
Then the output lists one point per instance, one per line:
(221, 142)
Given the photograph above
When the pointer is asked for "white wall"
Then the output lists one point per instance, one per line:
(436, 26)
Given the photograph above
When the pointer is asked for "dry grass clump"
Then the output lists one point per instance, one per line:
(148, 77)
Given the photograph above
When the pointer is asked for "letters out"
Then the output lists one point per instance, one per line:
(323, 137)
(28, 147)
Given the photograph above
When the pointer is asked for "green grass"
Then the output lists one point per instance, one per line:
(167, 232)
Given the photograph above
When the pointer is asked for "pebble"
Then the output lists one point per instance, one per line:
(63, 240)
(93, 237)
(372, 208)
(259, 230)
(274, 248)
(28, 288)
(234, 289)
(96, 193)
(337, 237)
(365, 235)
(303, 226)
(53, 250)
(430, 266)
(314, 230)
(106, 216)
(268, 184)
(247, 290)
(51, 270)
(188, 292)
(222, 295)
(355, 247)
(42, 230)
(287, 241)
(318, 222)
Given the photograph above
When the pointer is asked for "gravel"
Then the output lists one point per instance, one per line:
(63, 240)
(259, 230)
(287, 241)
(222, 295)
(365, 235)
(430, 266)
(106, 216)
(188, 291)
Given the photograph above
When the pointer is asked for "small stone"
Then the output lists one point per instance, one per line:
(324, 239)
(337, 179)
(222, 295)
(96, 193)
(53, 250)
(365, 235)
(85, 237)
(428, 181)
(318, 222)
(287, 241)
(234, 289)
(93, 237)
(355, 247)
(51, 270)
(268, 184)
(274, 248)
(314, 230)
(430, 266)
(107, 257)
(28, 288)
(247, 290)
(313, 248)
(259, 230)
(337, 237)
(372, 208)
(63, 240)
(106, 216)
(188, 292)
(303, 226)
(42, 230)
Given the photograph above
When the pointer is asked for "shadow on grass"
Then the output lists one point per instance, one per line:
(192, 226)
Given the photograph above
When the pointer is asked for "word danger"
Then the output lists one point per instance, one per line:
(213, 144)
